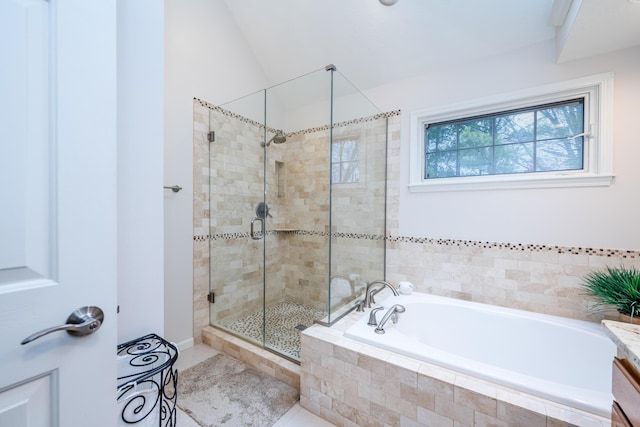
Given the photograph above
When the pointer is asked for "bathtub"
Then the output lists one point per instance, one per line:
(566, 361)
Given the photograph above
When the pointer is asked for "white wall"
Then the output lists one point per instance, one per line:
(584, 217)
(205, 57)
(140, 157)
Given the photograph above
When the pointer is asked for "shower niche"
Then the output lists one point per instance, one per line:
(297, 207)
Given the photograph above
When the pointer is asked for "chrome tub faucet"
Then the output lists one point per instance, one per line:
(371, 290)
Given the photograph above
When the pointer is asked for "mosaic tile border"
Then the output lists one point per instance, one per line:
(518, 247)
(298, 132)
(230, 114)
(231, 236)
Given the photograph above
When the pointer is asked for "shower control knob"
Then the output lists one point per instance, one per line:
(262, 210)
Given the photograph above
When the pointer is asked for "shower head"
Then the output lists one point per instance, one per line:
(278, 138)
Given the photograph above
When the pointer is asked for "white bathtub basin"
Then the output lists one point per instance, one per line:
(563, 360)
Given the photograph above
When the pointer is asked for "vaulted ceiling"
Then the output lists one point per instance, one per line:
(373, 44)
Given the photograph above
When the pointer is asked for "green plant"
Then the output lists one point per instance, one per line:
(618, 287)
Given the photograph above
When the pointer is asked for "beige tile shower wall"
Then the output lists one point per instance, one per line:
(358, 209)
(236, 187)
(307, 270)
(394, 163)
(225, 195)
(304, 207)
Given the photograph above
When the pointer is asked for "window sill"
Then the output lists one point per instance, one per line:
(511, 182)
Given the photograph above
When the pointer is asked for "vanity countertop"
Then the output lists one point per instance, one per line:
(627, 338)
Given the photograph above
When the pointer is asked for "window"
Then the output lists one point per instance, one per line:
(554, 136)
(345, 161)
(539, 139)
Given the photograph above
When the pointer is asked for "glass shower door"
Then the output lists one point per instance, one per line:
(237, 217)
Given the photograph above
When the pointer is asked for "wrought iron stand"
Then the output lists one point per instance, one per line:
(147, 382)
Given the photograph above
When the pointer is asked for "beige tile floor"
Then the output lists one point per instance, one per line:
(295, 417)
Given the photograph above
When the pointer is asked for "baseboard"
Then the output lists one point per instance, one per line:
(183, 345)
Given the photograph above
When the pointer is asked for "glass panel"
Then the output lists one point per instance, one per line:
(560, 122)
(236, 170)
(442, 165)
(441, 137)
(477, 133)
(350, 172)
(336, 173)
(515, 128)
(561, 154)
(514, 158)
(350, 151)
(358, 209)
(475, 161)
(345, 161)
(297, 246)
(336, 153)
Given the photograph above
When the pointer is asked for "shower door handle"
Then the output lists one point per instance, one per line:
(260, 234)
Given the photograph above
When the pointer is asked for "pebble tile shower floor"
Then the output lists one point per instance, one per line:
(284, 322)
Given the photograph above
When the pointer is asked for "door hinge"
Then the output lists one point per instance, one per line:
(211, 297)
(211, 136)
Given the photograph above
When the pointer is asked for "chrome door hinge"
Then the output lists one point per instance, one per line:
(211, 297)
(211, 136)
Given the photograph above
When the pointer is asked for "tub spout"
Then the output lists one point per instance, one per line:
(372, 286)
(392, 314)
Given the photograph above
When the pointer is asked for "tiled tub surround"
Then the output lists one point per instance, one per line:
(350, 384)
(563, 360)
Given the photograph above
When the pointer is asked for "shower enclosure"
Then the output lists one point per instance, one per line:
(297, 207)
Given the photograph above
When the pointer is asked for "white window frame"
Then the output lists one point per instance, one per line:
(597, 92)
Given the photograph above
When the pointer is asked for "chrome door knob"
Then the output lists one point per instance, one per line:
(83, 321)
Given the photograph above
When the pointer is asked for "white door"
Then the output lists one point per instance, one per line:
(57, 210)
